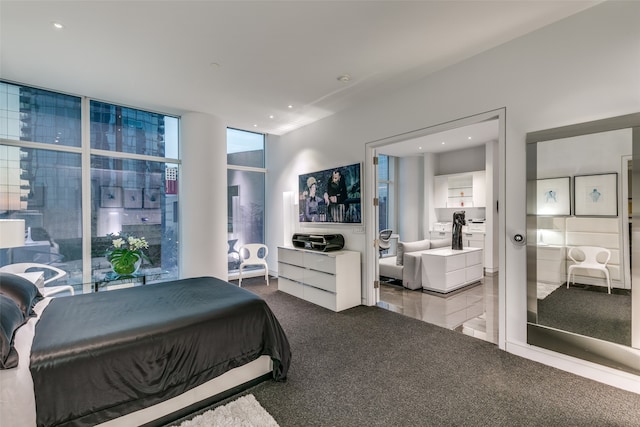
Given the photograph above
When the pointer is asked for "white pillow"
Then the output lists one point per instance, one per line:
(404, 247)
(440, 243)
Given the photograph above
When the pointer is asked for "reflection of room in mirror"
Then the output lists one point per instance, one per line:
(591, 164)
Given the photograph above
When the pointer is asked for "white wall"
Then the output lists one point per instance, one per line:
(584, 155)
(411, 183)
(583, 68)
(203, 196)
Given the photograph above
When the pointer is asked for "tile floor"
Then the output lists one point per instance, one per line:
(472, 310)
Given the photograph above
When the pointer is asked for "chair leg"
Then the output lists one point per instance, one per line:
(266, 275)
(240, 277)
(606, 273)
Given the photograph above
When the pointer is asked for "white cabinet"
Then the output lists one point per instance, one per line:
(473, 240)
(460, 190)
(479, 189)
(437, 235)
(551, 264)
(328, 279)
(444, 270)
(440, 191)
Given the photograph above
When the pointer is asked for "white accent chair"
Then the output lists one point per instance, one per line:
(384, 240)
(51, 274)
(595, 258)
(253, 254)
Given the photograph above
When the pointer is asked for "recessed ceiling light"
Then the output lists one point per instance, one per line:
(469, 138)
(344, 78)
(255, 125)
(214, 65)
(442, 142)
(419, 148)
(57, 25)
(290, 106)
(271, 116)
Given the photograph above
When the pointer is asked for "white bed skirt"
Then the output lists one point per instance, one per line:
(228, 380)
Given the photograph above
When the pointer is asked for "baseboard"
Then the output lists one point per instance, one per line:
(490, 271)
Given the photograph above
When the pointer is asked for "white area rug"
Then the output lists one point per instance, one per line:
(544, 289)
(245, 411)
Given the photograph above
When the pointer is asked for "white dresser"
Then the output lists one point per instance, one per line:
(444, 270)
(328, 279)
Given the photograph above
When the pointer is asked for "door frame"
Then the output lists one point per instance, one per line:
(371, 273)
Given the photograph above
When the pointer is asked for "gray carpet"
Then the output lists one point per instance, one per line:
(371, 367)
(589, 310)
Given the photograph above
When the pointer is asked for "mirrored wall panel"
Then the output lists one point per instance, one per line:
(581, 233)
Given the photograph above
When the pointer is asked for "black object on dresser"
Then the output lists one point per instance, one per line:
(318, 242)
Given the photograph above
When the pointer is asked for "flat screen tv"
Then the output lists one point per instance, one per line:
(331, 196)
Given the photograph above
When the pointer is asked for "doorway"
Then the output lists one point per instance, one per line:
(429, 146)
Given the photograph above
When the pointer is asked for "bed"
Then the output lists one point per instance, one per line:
(139, 355)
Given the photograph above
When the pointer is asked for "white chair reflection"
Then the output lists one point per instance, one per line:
(595, 258)
(384, 240)
(253, 254)
(51, 275)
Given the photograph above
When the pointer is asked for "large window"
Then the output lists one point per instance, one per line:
(130, 184)
(245, 192)
(36, 115)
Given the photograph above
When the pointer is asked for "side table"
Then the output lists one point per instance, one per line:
(445, 270)
(114, 281)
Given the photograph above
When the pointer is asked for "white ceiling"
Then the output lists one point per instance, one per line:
(451, 140)
(244, 61)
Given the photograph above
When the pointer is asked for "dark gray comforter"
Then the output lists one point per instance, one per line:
(99, 356)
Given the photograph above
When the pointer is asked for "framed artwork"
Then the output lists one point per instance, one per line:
(553, 196)
(133, 198)
(596, 195)
(152, 198)
(110, 197)
(331, 195)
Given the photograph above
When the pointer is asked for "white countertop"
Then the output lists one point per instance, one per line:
(449, 251)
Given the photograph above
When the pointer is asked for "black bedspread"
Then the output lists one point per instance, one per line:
(99, 356)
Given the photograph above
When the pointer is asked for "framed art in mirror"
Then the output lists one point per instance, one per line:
(596, 195)
(553, 196)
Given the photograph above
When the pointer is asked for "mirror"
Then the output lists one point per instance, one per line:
(581, 181)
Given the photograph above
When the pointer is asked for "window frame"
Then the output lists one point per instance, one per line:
(86, 152)
(263, 170)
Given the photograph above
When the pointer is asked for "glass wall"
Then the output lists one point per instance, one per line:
(131, 184)
(245, 192)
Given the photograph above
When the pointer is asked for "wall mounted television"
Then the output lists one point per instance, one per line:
(331, 195)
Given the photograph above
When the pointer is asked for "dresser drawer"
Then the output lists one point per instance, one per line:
(319, 297)
(293, 288)
(320, 262)
(474, 273)
(474, 258)
(290, 256)
(321, 280)
(291, 272)
(455, 262)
